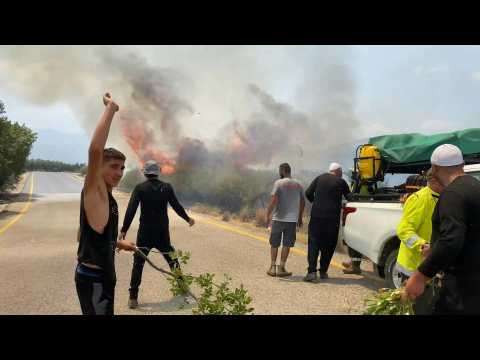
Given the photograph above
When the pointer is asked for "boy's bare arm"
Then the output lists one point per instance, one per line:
(95, 152)
(95, 189)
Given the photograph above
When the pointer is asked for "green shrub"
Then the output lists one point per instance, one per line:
(215, 299)
(15, 144)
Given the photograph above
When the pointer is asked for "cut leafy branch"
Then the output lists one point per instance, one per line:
(215, 299)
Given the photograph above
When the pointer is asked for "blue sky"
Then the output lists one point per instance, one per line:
(424, 89)
(419, 88)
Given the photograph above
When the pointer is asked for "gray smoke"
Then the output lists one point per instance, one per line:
(200, 105)
(153, 93)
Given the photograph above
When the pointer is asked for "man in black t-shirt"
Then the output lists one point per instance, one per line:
(153, 196)
(325, 193)
(455, 243)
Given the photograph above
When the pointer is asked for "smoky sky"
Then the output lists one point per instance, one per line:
(273, 103)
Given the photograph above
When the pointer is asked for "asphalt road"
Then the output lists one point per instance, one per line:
(55, 183)
(38, 256)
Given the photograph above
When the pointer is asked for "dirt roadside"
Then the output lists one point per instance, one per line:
(17, 189)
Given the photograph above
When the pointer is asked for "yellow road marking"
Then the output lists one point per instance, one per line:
(23, 211)
(231, 229)
(259, 238)
(77, 178)
(244, 233)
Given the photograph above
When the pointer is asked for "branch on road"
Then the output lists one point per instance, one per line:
(216, 299)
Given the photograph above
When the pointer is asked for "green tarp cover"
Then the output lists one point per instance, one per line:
(410, 153)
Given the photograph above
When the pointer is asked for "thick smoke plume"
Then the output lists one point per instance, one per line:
(199, 106)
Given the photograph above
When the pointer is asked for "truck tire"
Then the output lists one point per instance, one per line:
(379, 270)
(392, 277)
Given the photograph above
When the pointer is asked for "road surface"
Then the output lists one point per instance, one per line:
(38, 256)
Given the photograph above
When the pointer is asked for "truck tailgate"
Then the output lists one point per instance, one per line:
(367, 229)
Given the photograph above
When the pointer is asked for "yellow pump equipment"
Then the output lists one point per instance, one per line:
(369, 162)
(368, 168)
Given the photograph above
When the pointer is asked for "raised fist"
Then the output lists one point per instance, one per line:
(108, 101)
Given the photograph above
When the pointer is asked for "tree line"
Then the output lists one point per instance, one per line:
(15, 145)
(49, 165)
(238, 191)
(228, 189)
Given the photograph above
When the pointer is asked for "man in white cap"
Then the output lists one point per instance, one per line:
(325, 193)
(455, 243)
(153, 196)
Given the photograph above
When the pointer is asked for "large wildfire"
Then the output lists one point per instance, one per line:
(141, 141)
(151, 126)
(242, 125)
(189, 152)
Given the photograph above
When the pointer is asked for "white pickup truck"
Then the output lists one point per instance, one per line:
(370, 229)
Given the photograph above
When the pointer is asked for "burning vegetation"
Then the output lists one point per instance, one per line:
(160, 90)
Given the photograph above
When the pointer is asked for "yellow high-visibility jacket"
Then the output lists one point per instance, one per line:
(415, 229)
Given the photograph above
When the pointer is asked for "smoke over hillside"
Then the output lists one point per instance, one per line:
(196, 106)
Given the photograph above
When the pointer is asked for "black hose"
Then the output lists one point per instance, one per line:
(150, 262)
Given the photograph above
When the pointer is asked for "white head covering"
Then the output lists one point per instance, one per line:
(447, 155)
(151, 168)
(334, 166)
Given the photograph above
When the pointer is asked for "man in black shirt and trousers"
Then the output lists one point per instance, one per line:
(325, 193)
(455, 243)
(153, 196)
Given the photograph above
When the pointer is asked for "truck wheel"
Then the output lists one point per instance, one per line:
(392, 276)
(379, 271)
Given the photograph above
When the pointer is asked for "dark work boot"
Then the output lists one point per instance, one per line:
(354, 269)
(132, 303)
(323, 275)
(310, 277)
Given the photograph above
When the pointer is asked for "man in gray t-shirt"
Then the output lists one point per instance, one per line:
(287, 204)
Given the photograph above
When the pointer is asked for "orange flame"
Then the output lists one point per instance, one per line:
(240, 148)
(142, 143)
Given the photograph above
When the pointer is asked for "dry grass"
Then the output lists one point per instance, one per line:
(226, 216)
(261, 218)
(206, 209)
(246, 214)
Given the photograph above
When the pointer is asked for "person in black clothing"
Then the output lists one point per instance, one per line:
(455, 243)
(153, 196)
(95, 276)
(325, 193)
